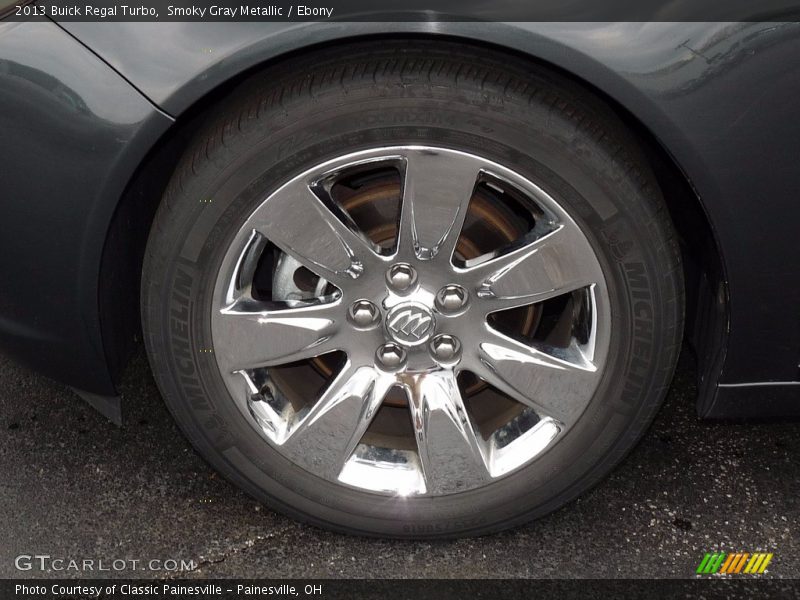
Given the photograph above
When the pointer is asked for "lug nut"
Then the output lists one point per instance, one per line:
(364, 313)
(446, 348)
(451, 298)
(401, 277)
(391, 356)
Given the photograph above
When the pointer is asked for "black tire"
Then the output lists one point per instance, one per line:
(354, 97)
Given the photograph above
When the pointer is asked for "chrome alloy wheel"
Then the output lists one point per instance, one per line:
(416, 317)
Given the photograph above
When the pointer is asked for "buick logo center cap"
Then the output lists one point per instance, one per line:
(410, 323)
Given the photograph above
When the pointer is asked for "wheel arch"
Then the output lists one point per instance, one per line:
(706, 293)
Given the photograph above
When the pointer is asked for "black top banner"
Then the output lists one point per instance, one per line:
(403, 10)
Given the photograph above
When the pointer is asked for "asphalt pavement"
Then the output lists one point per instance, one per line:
(75, 487)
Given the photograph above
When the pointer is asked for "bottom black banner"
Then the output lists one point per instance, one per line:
(402, 589)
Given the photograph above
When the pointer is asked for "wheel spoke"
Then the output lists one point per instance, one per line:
(554, 386)
(300, 224)
(248, 340)
(546, 268)
(449, 447)
(327, 434)
(436, 193)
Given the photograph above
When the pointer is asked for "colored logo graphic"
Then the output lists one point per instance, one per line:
(734, 563)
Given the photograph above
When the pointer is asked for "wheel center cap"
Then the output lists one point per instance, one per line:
(410, 323)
